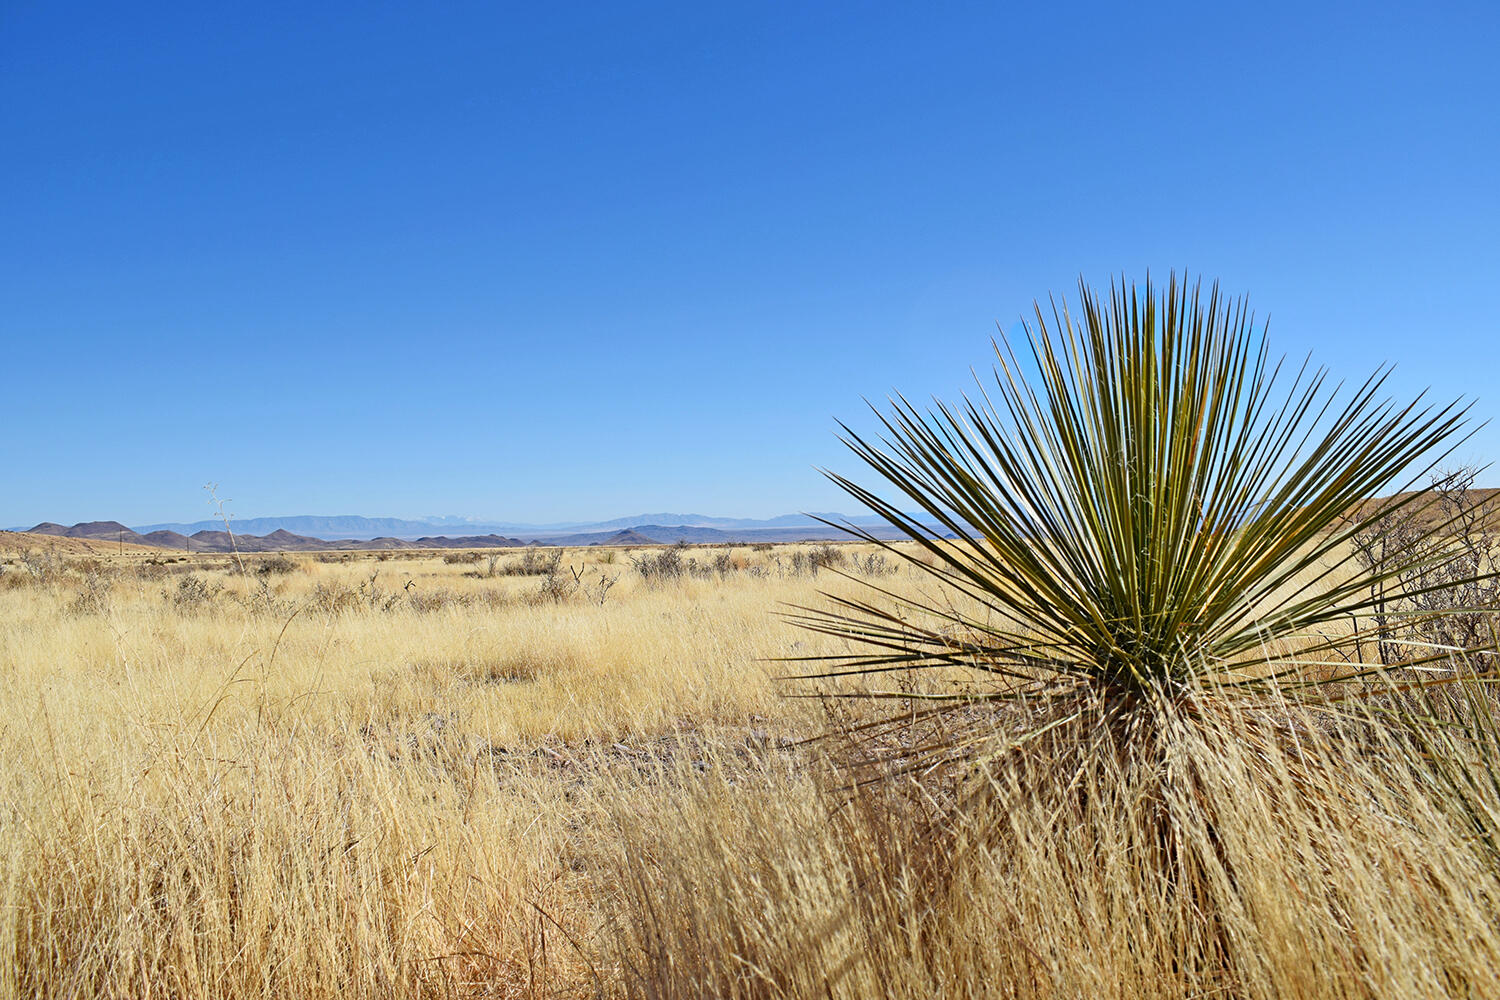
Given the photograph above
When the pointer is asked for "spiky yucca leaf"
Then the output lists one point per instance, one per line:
(1160, 505)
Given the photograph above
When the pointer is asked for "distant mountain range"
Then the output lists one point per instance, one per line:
(354, 526)
(279, 540)
(353, 532)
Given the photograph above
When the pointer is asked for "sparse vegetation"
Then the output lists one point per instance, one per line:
(660, 566)
(488, 792)
(194, 593)
(337, 773)
(538, 562)
(276, 565)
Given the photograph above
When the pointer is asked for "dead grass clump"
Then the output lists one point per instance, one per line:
(1232, 865)
(500, 668)
(336, 597)
(441, 599)
(93, 596)
(88, 566)
(254, 869)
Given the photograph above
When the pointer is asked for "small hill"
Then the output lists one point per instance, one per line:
(281, 537)
(100, 529)
(166, 539)
(1483, 502)
(103, 531)
(22, 541)
(626, 537)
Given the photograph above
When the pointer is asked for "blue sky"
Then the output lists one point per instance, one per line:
(552, 262)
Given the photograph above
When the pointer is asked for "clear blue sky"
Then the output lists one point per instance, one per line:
(552, 261)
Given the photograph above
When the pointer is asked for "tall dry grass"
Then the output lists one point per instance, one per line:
(286, 785)
(353, 778)
(1321, 867)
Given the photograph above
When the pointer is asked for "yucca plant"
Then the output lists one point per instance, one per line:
(1152, 509)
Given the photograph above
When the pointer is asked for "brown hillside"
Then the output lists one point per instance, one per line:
(20, 541)
(1481, 501)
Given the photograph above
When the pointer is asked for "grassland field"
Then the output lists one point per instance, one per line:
(526, 773)
(380, 769)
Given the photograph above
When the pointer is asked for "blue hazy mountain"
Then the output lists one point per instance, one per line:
(358, 526)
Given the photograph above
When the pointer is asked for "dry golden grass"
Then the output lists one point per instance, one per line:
(356, 776)
(361, 776)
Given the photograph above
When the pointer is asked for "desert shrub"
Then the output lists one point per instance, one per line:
(601, 587)
(93, 597)
(495, 565)
(152, 569)
(442, 599)
(807, 562)
(44, 568)
(336, 598)
(719, 566)
(193, 594)
(492, 599)
(556, 587)
(538, 562)
(661, 566)
(276, 565)
(873, 564)
(262, 600)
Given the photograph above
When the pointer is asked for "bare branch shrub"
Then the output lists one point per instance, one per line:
(602, 588)
(1416, 609)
